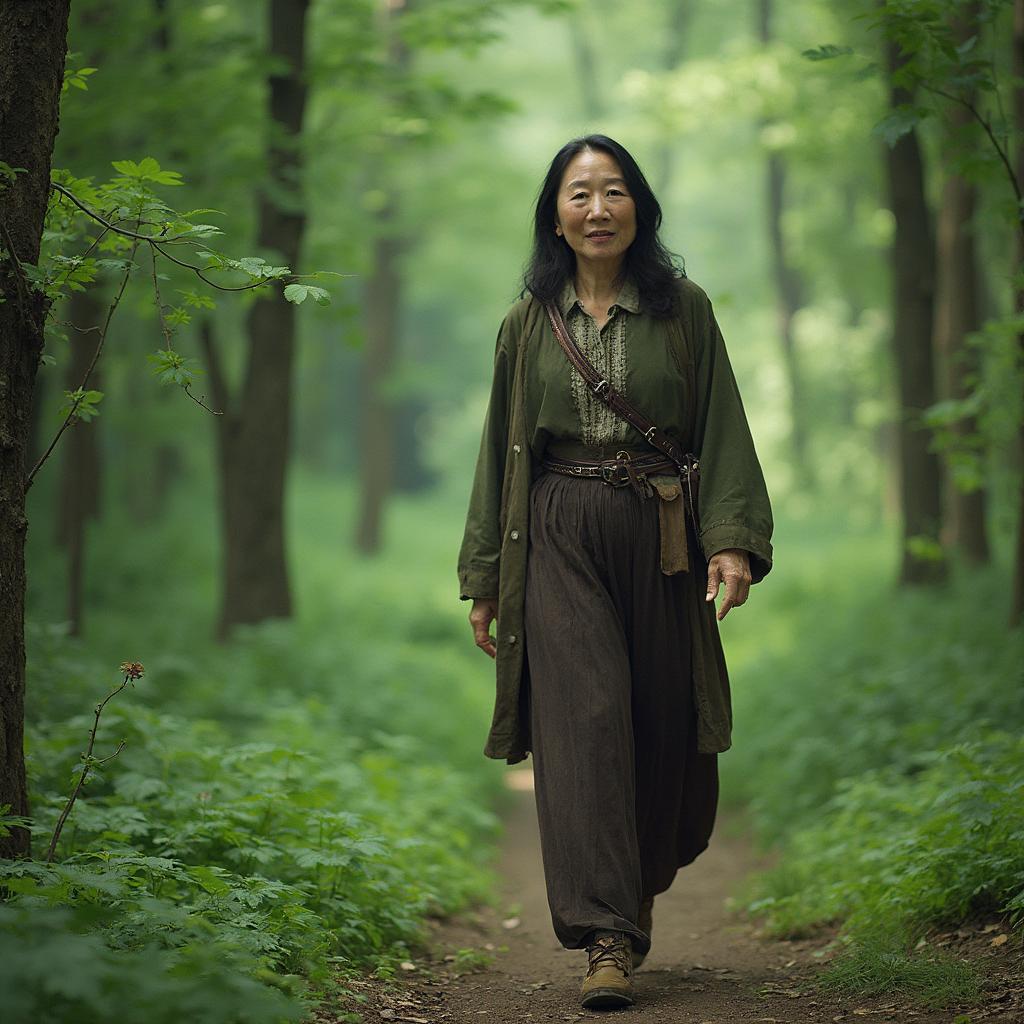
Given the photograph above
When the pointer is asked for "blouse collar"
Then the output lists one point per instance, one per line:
(628, 297)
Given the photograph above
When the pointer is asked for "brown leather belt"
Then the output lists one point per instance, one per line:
(634, 468)
(624, 469)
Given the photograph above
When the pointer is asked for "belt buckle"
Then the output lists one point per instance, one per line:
(609, 466)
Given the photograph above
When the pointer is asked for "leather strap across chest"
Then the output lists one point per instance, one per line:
(686, 463)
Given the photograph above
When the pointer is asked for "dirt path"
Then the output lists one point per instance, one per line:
(706, 966)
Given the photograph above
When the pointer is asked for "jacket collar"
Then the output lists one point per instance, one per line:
(628, 297)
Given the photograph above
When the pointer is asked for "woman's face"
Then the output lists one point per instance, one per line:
(595, 213)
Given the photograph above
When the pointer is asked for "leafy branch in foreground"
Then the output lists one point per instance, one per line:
(132, 670)
(937, 62)
(108, 223)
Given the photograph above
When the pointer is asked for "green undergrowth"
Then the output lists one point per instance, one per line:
(879, 751)
(288, 808)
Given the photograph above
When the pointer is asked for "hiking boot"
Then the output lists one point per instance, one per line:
(608, 982)
(645, 923)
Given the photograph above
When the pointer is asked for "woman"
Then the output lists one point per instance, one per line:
(609, 663)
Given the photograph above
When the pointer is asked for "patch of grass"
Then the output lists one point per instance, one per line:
(875, 966)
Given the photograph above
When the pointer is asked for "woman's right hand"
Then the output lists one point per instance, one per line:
(483, 613)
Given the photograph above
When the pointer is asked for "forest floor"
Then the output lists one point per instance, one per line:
(706, 965)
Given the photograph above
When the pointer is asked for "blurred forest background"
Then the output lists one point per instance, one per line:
(259, 495)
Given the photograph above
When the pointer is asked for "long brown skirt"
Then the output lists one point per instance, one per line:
(623, 797)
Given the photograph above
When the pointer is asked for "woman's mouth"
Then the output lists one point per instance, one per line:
(601, 236)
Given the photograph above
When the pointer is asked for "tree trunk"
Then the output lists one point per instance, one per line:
(1017, 601)
(33, 46)
(149, 503)
(788, 289)
(586, 67)
(957, 314)
(376, 446)
(913, 274)
(383, 302)
(81, 469)
(676, 38)
(254, 433)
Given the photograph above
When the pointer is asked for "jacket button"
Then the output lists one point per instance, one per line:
(514, 535)
(516, 449)
(511, 638)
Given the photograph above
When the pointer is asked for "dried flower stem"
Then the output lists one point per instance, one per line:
(132, 670)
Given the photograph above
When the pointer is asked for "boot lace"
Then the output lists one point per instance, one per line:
(609, 949)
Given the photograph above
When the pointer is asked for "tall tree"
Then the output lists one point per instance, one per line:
(789, 286)
(254, 430)
(1017, 602)
(81, 469)
(957, 311)
(913, 275)
(383, 304)
(587, 71)
(165, 455)
(676, 38)
(33, 47)
(81, 465)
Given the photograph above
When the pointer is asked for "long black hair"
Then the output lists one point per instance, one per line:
(552, 262)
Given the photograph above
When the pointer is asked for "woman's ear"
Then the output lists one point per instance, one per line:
(558, 229)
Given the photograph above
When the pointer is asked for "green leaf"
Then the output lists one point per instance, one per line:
(147, 169)
(210, 880)
(252, 265)
(83, 402)
(197, 300)
(897, 124)
(11, 172)
(173, 368)
(298, 293)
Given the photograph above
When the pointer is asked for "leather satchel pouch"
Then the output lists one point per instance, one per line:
(671, 523)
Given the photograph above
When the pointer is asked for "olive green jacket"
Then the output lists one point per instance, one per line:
(680, 377)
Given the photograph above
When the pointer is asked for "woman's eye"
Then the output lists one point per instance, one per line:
(579, 195)
(615, 192)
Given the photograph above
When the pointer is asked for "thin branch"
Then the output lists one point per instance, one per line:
(1010, 173)
(107, 224)
(199, 273)
(159, 304)
(99, 347)
(153, 240)
(84, 256)
(109, 757)
(200, 402)
(169, 335)
(213, 364)
(75, 327)
(995, 83)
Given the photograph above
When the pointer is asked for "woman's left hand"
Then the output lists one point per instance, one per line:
(731, 567)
